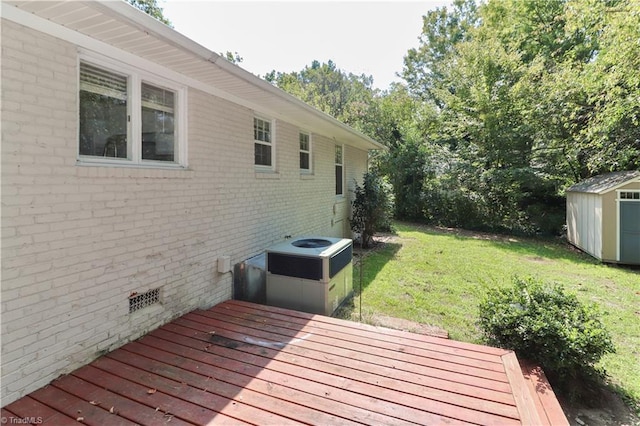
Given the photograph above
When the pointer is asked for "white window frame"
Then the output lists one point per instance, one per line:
(309, 151)
(135, 78)
(635, 196)
(271, 143)
(341, 164)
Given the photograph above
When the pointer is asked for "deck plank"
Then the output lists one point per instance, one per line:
(390, 378)
(256, 365)
(440, 403)
(240, 363)
(77, 408)
(524, 400)
(119, 405)
(267, 404)
(381, 348)
(545, 399)
(359, 330)
(147, 394)
(28, 407)
(376, 356)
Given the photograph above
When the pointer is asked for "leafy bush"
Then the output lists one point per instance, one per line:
(546, 325)
(372, 207)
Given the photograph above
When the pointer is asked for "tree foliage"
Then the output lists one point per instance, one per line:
(530, 97)
(345, 96)
(151, 8)
(505, 104)
(372, 208)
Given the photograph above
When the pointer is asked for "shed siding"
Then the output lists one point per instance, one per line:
(78, 240)
(584, 222)
(609, 227)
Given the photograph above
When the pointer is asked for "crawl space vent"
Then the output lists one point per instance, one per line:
(139, 301)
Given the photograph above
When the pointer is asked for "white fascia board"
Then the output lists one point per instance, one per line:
(121, 10)
(82, 41)
(146, 23)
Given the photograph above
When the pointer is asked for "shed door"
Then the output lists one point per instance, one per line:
(630, 232)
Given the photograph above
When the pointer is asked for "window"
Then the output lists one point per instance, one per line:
(630, 195)
(125, 117)
(263, 142)
(339, 170)
(158, 130)
(103, 113)
(305, 152)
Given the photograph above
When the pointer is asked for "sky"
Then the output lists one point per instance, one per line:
(360, 37)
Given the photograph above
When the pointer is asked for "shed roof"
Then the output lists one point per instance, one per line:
(117, 29)
(605, 183)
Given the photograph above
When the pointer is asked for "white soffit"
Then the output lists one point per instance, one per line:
(116, 24)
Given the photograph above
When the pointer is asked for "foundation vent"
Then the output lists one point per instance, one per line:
(142, 300)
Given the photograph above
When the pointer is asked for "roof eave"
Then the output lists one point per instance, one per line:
(151, 25)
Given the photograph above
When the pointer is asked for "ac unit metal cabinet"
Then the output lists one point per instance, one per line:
(310, 274)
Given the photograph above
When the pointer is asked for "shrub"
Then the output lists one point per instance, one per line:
(546, 325)
(372, 207)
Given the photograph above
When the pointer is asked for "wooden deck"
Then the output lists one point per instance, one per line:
(242, 363)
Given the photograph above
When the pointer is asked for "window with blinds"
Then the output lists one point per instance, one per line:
(158, 130)
(103, 113)
(123, 116)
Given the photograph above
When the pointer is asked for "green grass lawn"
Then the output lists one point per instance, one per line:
(438, 277)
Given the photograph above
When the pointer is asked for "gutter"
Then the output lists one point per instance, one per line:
(150, 25)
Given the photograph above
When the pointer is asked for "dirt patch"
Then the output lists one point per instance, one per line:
(478, 235)
(379, 241)
(609, 410)
(406, 325)
(537, 259)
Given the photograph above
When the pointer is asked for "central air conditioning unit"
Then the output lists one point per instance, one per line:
(310, 274)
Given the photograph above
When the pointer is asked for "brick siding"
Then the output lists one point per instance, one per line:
(77, 240)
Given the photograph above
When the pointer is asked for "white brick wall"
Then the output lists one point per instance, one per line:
(78, 240)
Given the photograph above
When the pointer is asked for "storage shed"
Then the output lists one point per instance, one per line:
(603, 217)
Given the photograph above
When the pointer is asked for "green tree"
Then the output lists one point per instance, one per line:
(345, 96)
(529, 97)
(442, 29)
(233, 57)
(150, 7)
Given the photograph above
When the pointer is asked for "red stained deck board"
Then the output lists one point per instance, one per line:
(546, 402)
(360, 332)
(371, 353)
(357, 360)
(113, 402)
(28, 407)
(214, 372)
(380, 383)
(149, 395)
(254, 366)
(406, 406)
(382, 348)
(435, 404)
(241, 363)
(77, 408)
(268, 405)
